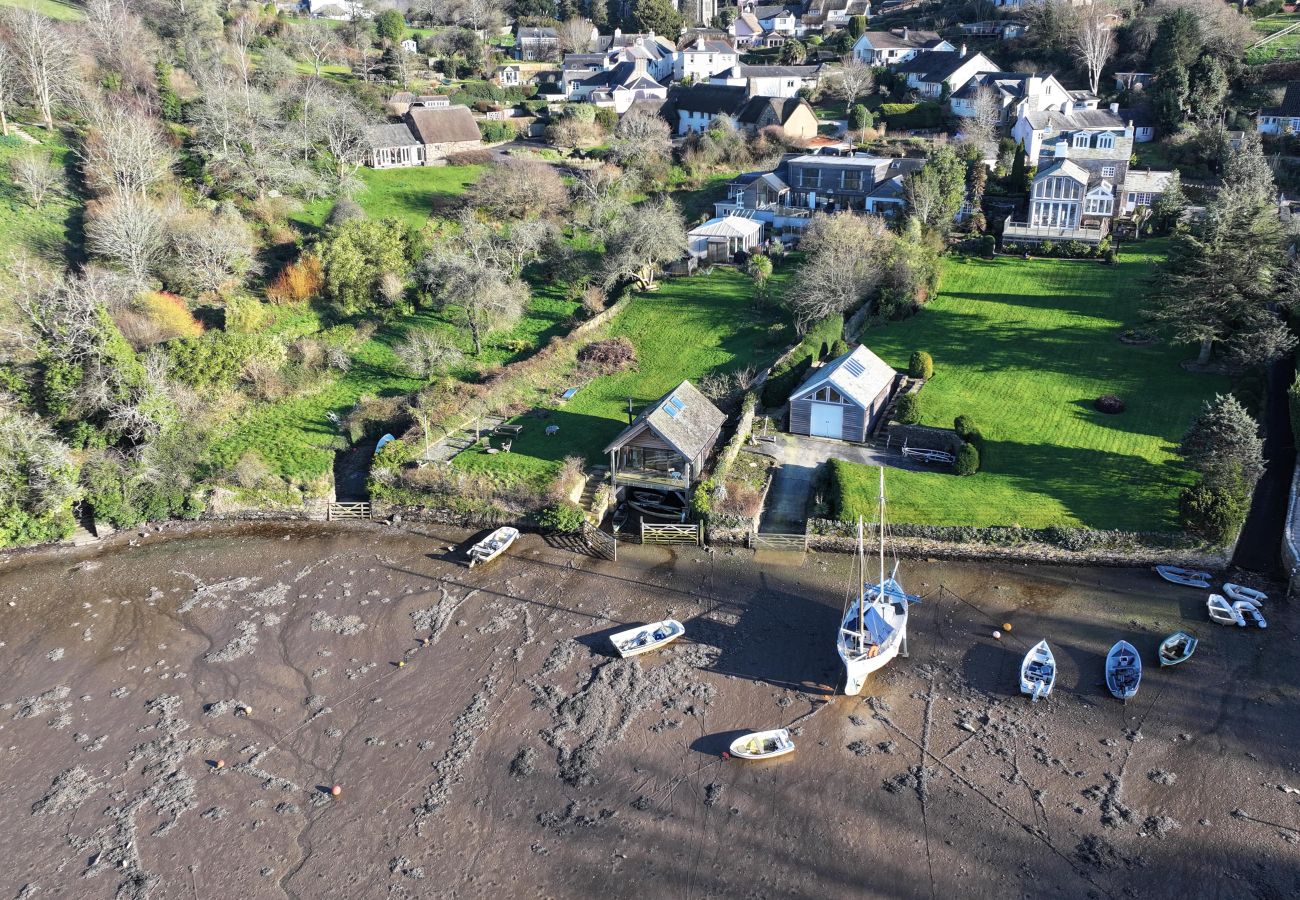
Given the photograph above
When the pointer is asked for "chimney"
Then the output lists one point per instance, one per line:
(1114, 108)
(962, 51)
(638, 66)
(905, 32)
(618, 33)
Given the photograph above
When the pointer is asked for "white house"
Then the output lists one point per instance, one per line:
(719, 240)
(620, 87)
(927, 73)
(1284, 119)
(409, 45)
(658, 52)
(703, 58)
(507, 76)
(770, 81)
(1079, 134)
(1015, 93)
(886, 48)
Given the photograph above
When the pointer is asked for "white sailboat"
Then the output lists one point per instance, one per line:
(874, 626)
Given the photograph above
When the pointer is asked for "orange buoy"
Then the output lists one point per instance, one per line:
(1006, 626)
(335, 791)
(401, 664)
(220, 764)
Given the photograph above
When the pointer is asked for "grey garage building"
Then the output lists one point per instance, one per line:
(844, 398)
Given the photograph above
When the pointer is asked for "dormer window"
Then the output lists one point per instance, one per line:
(1081, 139)
(1106, 142)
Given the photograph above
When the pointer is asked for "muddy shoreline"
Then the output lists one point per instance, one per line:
(487, 744)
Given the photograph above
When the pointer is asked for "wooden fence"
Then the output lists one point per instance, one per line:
(795, 542)
(348, 511)
(600, 543)
(672, 533)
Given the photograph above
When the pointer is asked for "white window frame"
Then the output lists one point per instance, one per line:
(1105, 142)
(1107, 171)
(1080, 140)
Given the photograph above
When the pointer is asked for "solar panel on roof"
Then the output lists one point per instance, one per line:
(854, 367)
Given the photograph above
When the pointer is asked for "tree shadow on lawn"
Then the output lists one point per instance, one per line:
(973, 342)
(1101, 489)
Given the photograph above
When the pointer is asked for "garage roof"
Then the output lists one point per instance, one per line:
(728, 226)
(859, 375)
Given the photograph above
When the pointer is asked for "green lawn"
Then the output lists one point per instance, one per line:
(55, 9)
(686, 329)
(41, 233)
(408, 195)
(1024, 347)
(1285, 47)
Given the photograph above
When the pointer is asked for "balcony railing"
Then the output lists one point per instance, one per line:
(651, 478)
(779, 209)
(1023, 231)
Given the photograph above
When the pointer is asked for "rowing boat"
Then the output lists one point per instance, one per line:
(1177, 648)
(645, 638)
(763, 744)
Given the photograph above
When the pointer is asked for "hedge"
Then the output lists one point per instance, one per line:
(912, 115)
(791, 371)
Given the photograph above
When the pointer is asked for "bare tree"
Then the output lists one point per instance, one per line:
(845, 252)
(1094, 40)
(345, 132)
(127, 229)
(645, 237)
(855, 79)
(425, 352)
(575, 35)
(981, 126)
(207, 251)
(603, 196)
(44, 58)
(239, 38)
(478, 297)
(317, 43)
(33, 171)
(520, 189)
(123, 151)
(642, 143)
(8, 84)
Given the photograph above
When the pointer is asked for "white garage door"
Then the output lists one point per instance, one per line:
(827, 420)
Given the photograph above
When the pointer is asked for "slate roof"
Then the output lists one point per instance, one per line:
(1009, 83)
(1147, 181)
(1064, 167)
(859, 375)
(622, 75)
(777, 71)
(450, 124)
(887, 40)
(713, 99)
(392, 136)
(538, 34)
(938, 66)
(1078, 120)
(688, 431)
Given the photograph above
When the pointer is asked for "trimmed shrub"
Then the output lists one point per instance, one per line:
(1213, 513)
(908, 410)
(493, 132)
(839, 348)
(564, 517)
(964, 426)
(783, 380)
(968, 460)
(921, 365)
(1109, 404)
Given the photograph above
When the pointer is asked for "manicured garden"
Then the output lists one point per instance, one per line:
(1024, 347)
(407, 195)
(690, 327)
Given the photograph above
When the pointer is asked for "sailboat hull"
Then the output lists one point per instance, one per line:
(856, 671)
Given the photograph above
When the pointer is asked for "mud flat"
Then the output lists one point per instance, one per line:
(487, 744)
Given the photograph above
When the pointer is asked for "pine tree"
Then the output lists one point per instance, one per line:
(1019, 171)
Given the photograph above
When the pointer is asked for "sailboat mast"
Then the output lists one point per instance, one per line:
(881, 527)
(862, 582)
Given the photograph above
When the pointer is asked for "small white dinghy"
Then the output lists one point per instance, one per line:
(1123, 670)
(645, 638)
(1038, 671)
(492, 546)
(1185, 577)
(1249, 612)
(1223, 612)
(1237, 592)
(1177, 648)
(763, 744)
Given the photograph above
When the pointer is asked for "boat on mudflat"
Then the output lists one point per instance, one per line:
(644, 638)
(1185, 577)
(492, 546)
(1177, 648)
(1123, 670)
(1038, 671)
(763, 744)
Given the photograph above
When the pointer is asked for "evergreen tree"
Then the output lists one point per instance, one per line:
(658, 16)
(1209, 89)
(1178, 41)
(1019, 170)
(1223, 444)
(1170, 98)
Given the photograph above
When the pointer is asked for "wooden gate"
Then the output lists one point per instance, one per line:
(600, 543)
(671, 533)
(795, 542)
(348, 511)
